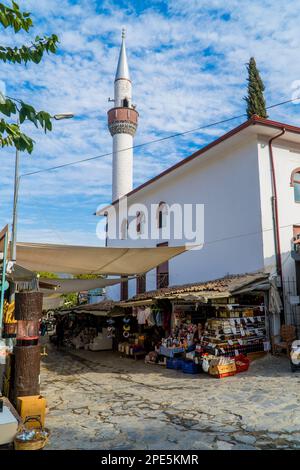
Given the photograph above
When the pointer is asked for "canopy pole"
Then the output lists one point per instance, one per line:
(3, 280)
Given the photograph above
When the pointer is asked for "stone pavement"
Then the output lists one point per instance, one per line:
(98, 400)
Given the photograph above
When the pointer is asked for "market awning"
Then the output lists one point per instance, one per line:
(66, 286)
(93, 260)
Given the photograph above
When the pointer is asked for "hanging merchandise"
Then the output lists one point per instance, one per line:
(126, 328)
(110, 332)
(111, 329)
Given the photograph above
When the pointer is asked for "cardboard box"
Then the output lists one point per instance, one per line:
(32, 407)
(220, 371)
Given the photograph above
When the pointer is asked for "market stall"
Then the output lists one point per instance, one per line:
(223, 322)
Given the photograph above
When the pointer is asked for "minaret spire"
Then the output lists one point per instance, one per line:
(122, 124)
(122, 68)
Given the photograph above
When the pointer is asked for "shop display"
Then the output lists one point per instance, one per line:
(242, 331)
(134, 347)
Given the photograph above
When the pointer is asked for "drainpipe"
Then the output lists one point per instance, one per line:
(275, 210)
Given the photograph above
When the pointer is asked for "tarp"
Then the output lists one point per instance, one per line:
(65, 286)
(93, 260)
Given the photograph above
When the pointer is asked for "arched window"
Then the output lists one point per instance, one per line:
(295, 182)
(140, 222)
(124, 229)
(125, 103)
(162, 214)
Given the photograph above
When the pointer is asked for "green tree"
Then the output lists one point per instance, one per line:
(255, 100)
(10, 133)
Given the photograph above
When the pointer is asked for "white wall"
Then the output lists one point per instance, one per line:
(286, 159)
(227, 183)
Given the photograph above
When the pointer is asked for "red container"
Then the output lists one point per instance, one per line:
(242, 363)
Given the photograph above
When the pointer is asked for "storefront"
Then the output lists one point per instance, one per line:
(216, 321)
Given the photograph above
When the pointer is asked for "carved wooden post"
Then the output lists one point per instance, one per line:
(28, 312)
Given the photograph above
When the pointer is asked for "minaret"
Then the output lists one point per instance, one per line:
(122, 124)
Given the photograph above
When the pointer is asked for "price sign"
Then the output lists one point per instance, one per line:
(240, 341)
(230, 342)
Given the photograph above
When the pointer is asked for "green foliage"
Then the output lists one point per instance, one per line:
(47, 275)
(14, 18)
(71, 299)
(89, 276)
(10, 134)
(255, 100)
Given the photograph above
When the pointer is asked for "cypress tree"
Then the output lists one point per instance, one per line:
(255, 100)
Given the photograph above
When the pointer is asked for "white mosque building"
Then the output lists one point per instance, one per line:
(248, 183)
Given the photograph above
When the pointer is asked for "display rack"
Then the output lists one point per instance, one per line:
(235, 330)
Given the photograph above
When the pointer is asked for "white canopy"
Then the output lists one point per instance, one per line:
(93, 260)
(66, 286)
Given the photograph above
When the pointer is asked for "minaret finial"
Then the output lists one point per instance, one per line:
(123, 33)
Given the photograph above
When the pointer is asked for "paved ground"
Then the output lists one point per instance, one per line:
(101, 401)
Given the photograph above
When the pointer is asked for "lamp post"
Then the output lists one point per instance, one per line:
(57, 117)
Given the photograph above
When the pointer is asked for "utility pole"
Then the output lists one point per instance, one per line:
(15, 209)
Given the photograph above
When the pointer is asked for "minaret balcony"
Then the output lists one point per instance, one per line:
(122, 114)
(122, 120)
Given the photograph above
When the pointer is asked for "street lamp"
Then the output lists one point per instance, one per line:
(57, 117)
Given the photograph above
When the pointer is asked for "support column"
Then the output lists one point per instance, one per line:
(28, 312)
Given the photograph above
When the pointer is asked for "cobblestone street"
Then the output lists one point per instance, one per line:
(101, 401)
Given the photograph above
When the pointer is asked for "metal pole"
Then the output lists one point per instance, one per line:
(15, 219)
(3, 280)
(15, 209)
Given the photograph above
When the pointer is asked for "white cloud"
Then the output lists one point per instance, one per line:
(187, 70)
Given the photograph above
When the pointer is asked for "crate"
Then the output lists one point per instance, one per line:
(189, 367)
(242, 363)
(220, 371)
(173, 363)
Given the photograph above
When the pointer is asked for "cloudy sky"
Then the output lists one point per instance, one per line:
(187, 63)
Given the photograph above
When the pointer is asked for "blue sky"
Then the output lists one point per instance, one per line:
(187, 63)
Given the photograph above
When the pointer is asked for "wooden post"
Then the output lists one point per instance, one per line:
(27, 370)
(28, 307)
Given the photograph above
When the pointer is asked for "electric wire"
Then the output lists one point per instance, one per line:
(161, 139)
